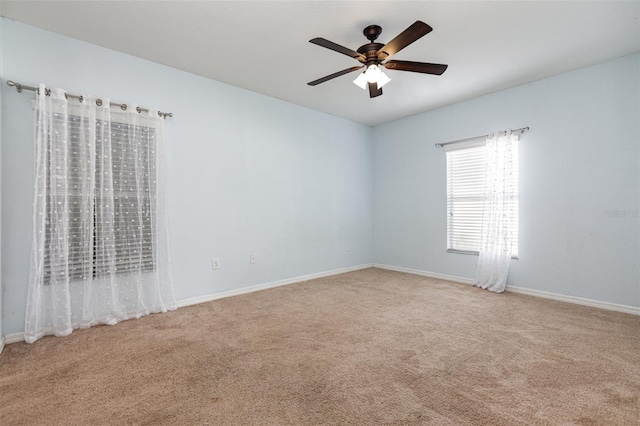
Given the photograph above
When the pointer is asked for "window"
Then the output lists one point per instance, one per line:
(465, 196)
(117, 208)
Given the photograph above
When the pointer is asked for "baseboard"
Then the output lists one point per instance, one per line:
(453, 278)
(2, 343)
(530, 292)
(576, 300)
(13, 338)
(244, 290)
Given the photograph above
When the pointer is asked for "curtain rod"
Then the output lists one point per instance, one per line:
(20, 87)
(439, 145)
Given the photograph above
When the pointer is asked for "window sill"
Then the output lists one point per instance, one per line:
(473, 253)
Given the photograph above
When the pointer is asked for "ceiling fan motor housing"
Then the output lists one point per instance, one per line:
(370, 49)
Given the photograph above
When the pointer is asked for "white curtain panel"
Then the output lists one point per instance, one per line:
(499, 215)
(100, 250)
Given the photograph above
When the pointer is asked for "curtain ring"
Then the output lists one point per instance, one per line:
(47, 92)
(123, 107)
(99, 102)
(81, 98)
(139, 110)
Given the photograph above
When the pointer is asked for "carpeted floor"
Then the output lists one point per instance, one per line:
(365, 348)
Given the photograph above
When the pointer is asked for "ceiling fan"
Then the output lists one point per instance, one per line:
(374, 55)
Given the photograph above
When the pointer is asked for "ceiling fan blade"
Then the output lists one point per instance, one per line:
(337, 48)
(423, 67)
(414, 32)
(334, 75)
(374, 91)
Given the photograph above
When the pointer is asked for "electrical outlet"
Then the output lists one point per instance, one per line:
(252, 258)
(348, 246)
(215, 263)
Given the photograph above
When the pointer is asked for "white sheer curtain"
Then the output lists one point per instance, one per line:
(499, 218)
(100, 250)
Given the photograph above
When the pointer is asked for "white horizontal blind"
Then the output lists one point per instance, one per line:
(465, 196)
(131, 187)
(68, 201)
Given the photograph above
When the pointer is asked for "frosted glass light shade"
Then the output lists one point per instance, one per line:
(382, 79)
(361, 81)
(373, 74)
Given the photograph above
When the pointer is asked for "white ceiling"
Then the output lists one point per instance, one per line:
(488, 45)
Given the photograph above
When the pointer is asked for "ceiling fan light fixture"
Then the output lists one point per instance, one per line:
(382, 79)
(361, 81)
(375, 55)
(373, 74)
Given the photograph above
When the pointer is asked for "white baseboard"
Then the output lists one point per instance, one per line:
(576, 300)
(19, 337)
(2, 343)
(244, 290)
(453, 278)
(13, 338)
(633, 310)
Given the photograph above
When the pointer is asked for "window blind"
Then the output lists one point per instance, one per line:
(465, 196)
(133, 184)
(130, 180)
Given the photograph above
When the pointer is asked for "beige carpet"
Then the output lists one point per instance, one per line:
(364, 348)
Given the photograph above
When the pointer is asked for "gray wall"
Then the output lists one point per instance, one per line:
(247, 173)
(579, 160)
